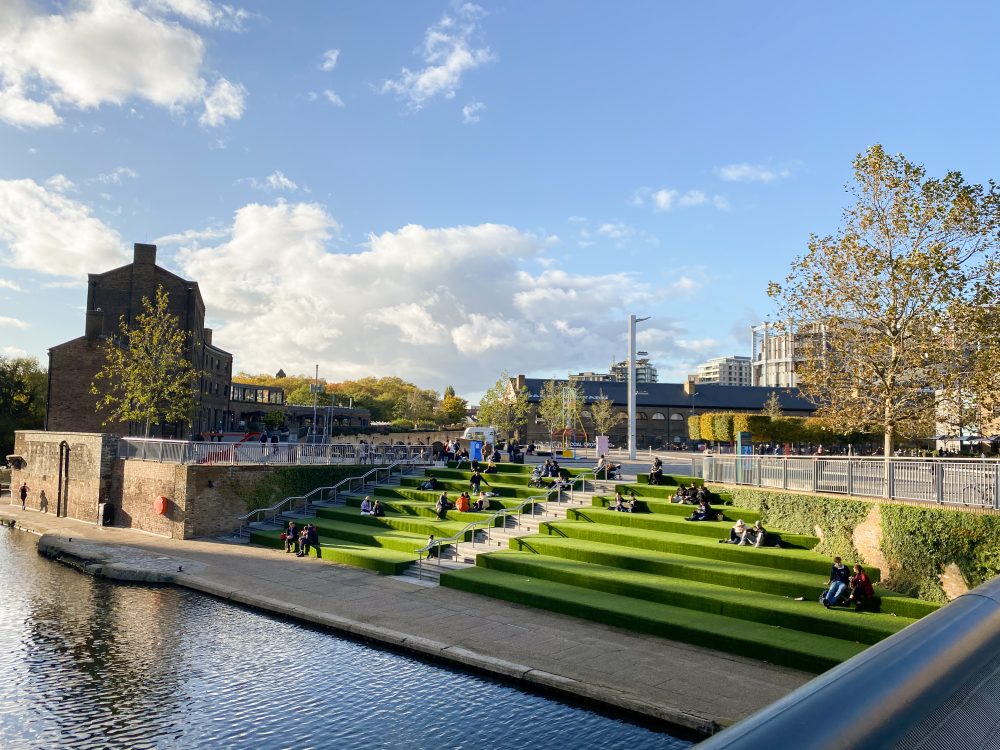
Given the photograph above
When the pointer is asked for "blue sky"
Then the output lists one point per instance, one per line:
(442, 190)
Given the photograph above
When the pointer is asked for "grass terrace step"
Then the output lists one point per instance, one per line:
(425, 496)
(508, 468)
(665, 493)
(804, 561)
(422, 510)
(770, 609)
(678, 525)
(457, 485)
(411, 524)
(368, 535)
(805, 651)
(788, 583)
(670, 479)
(386, 561)
(665, 507)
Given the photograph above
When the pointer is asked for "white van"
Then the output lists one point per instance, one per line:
(485, 434)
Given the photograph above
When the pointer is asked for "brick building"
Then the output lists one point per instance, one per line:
(118, 294)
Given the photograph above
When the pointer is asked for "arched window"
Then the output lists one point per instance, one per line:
(658, 415)
(675, 417)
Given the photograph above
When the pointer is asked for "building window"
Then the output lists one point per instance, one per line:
(658, 415)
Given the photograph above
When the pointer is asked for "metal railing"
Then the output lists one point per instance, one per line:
(946, 481)
(932, 684)
(499, 518)
(323, 494)
(279, 454)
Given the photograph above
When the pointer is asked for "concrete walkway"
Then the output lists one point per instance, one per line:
(693, 689)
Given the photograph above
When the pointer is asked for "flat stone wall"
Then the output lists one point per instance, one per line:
(89, 480)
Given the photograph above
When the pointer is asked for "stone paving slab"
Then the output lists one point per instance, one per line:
(691, 688)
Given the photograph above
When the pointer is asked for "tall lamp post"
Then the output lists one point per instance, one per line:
(632, 320)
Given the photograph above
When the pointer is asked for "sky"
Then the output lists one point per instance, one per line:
(445, 190)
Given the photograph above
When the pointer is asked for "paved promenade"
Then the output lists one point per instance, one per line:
(686, 686)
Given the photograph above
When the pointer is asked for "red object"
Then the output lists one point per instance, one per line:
(160, 505)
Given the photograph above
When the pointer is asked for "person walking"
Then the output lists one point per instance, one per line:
(24, 494)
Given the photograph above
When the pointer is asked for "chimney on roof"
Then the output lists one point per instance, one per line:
(144, 255)
(689, 385)
(94, 325)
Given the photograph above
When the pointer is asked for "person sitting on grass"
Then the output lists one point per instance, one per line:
(758, 534)
(443, 506)
(483, 502)
(703, 512)
(366, 506)
(291, 538)
(491, 467)
(840, 578)
(656, 472)
(618, 503)
(680, 496)
(862, 591)
(430, 484)
(738, 534)
(378, 510)
(462, 504)
(303, 541)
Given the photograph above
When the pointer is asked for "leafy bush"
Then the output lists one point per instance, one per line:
(722, 426)
(694, 427)
(706, 423)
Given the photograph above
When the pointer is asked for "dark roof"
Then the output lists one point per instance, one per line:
(672, 395)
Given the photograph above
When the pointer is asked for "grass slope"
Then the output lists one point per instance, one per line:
(386, 561)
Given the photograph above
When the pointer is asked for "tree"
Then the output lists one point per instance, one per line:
(22, 398)
(772, 407)
(503, 406)
(884, 308)
(452, 410)
(147, 375)
(604, 416)
(303, 396)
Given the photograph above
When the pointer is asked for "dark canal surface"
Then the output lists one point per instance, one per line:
(89, 664)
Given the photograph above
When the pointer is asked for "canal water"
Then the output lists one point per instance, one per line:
(85, 663)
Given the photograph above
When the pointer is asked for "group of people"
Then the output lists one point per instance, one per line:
(621, 504)
(453, 451)
(690, 495)
(300, 541)
(43, 501)
(744, 535)
(606, 469)
(369, 508)
(463, 504)
(847, 588)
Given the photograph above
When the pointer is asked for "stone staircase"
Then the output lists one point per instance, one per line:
(464, 554)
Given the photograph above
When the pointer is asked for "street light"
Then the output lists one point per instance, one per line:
(632, 321)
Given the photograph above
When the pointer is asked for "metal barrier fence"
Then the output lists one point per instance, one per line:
(947, 481)
(933, 684)
(282, 454)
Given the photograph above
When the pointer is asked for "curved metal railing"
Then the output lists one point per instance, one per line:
(322, 494)
(932, 684)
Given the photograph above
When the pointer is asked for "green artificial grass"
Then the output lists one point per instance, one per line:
(753, 606)
(426, 496)
(677, 525)
(787, 583)
(671, 480)
(411, 524)
(659, 492)
(508, 468)
(665, 507)
(805, 651)
(458, 485)
(686, 544)
(385, 561)
(425, 510)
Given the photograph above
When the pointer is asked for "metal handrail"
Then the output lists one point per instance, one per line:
(279, 507)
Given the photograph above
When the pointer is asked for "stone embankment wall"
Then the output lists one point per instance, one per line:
(87, 479)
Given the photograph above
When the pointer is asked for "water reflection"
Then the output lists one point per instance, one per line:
(88, 664)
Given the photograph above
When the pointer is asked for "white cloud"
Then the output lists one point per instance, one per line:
(275, 182)
(664, 199)
(744, 172)
(12, 323)
(330, 58)
(693, 198)
(721, 203)
(616, 230)
(449, 52)
(190, 237)
(201, 12)
(13, 351)
(430, 305)
(60, 183)
(226, 101)
(101, 52)
(333, 98)
(11, 285)
(470, 112)
(116, 176)
(45, 231)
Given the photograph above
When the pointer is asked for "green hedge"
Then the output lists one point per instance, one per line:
(292, 481)
(917, 542)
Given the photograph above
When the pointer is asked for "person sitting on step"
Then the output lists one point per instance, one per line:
(483, 502)
(430, 484)
(303, 541)
(443, 506)
(491, 467)
(367, 506)
(758, 534)
(840, 579)
(656, 472)
(378, 511)
(703, 512)
(291, 537)
(462, 504)
(680, 496)
(738, 534)
(862, 591)
(618, 503)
